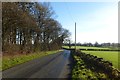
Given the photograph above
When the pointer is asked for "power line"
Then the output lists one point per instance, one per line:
(69, 12)
(74, 19)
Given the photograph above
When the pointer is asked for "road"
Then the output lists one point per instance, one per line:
(52, 66)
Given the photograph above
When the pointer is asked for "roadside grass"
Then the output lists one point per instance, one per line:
(111, 56)
(10, 61)
(81, 72)
(85, 47)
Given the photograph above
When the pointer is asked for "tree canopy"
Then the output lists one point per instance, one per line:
(29, 27)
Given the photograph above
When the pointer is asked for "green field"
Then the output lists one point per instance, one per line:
(84, 47)
(111, 56)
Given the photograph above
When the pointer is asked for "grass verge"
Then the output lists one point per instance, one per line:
(91, 67)
(10, 61)
(81, 72)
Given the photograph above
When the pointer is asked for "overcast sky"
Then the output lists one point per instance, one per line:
(96, 21)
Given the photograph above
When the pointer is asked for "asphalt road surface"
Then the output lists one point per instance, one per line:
(51, 66)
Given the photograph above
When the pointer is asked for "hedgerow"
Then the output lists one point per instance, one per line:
(91, 67)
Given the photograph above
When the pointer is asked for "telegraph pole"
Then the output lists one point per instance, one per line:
(75, 36)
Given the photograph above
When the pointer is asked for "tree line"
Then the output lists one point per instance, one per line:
(96, 44)
(29, 27)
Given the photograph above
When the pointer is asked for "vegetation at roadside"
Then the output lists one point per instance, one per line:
(80, 71)
(28, 30)
(29, 27)
(86, 64)
(111, 56)
(10, 61)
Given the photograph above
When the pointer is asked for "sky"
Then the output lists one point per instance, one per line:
(95, 21)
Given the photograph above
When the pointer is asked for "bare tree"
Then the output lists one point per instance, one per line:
(29, 27)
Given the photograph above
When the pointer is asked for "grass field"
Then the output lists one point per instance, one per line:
(10, 61)
(111, 56)
(84, 47)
